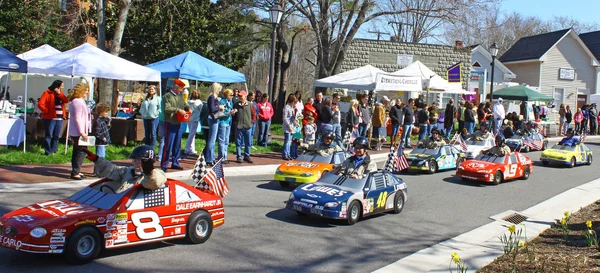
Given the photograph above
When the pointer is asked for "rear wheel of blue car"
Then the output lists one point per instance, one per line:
(353, 213)
(199, 227)
(83, 245)
(398, 202)
(433, 167)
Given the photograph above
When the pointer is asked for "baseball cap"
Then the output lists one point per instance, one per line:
(500, 99)
(243, 93)
(385, 98)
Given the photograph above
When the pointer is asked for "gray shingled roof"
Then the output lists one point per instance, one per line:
(592, 41)
(532, 47)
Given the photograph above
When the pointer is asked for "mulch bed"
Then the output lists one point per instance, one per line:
(550, 252)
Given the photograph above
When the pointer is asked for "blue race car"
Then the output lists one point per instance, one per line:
(431, 160)
(341, 197)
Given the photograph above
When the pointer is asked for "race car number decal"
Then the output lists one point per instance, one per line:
(147, 225)
(475, 165)
(382, 199)
(23, 218)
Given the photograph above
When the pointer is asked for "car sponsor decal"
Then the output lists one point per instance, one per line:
(58, 230)
(121, 216)
(475, 165)
(50, 212)
(64, 208)
(177, 220)
(313, 195)
(301, 164)
(23, 218)
(177, 230)
(197, 205)
(217, 213)
(10, 242)
(109, 243)
(324, 189)
(87, 221)
(108, 235)
(343, 210)
(54, 240)
(101, 220)
(110, 216)
(56, 249)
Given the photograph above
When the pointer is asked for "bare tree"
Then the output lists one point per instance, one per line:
(414, 27)
(564, 22)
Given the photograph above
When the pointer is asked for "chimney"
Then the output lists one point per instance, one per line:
(458, 44)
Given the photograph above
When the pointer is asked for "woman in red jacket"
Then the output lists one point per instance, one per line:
(52, 104)
(265, 113)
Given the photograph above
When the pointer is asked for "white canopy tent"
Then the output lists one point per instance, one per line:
(430, 79)
(362, 78)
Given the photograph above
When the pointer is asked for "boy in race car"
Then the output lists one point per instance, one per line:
(483, 132)
(434, 141)
(527, 129)
(326, 147)
(570, 140)
(358, 165)
(142, 171)
(499, 150)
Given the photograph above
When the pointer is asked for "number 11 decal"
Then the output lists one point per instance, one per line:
(147, 225)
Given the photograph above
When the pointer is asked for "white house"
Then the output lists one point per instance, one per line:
(481, 70)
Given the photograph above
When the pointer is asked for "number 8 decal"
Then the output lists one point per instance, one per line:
(142, 227)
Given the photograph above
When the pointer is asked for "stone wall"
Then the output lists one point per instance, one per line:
(383, 55)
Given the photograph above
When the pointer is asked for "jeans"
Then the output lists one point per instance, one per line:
(161, 136)
(252, 130)
(287, 141)
(362, 130)
(100, 152)
(150, 126)
(423, 133)
(319, 129)
(263, 132)
(448, 131)
(77, 156)
(395, 129)
(564, 127)
(406, 131)
(497, 125)
(52, 129)
(223, 136)
(584, 125)
(431, 127)
(212, 139)
(190, 144)
(593, 126)
(469, 125)
(172, 150)
(337, 129)
(294, 149)
(577, 127)
(243, 139)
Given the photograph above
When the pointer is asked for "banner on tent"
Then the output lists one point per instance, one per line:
(454, 73)
(397, 83)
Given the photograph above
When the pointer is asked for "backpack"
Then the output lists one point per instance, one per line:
(204, 114)
(422, 117)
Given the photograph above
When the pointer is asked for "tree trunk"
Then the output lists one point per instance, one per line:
(124, 6)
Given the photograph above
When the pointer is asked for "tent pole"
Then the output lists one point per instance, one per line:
(245, 84)
(68, 123)
(25, 103)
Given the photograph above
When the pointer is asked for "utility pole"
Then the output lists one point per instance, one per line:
(379, 34)
(399, 33)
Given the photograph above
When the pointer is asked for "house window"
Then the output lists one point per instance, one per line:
(558, 95)
(476, 64)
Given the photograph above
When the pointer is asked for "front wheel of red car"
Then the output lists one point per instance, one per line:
(526, 173)
(199, 227)
(83, 245)
(497, 178)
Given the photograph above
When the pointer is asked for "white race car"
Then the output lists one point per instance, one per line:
(475, 146)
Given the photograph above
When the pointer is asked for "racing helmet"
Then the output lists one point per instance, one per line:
(328, 134)
(143, 152)
(485, 125)
(570, 131)
(435, 131)
(499, 140)
(360, 143)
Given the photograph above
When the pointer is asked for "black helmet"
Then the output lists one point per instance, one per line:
(484, 124)
(328, 134)
(570, 131)
(499, 140)
(143, 152)
(360, 143)
(435, 131)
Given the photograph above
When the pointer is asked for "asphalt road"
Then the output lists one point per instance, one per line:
(260, 236)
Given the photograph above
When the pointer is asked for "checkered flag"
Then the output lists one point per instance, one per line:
(199, 172)
(347, 136)
(390, 162)
(583, 134)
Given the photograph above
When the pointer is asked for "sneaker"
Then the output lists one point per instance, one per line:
(239, 160)
(247, 159)
(76, 177)
(176, 167)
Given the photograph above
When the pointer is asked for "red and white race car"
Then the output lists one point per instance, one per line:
(97, 218)
(496, 169)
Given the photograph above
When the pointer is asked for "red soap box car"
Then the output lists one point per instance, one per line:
(496, 169)
(97, 218)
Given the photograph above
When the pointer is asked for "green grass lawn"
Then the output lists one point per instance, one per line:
(35, 152)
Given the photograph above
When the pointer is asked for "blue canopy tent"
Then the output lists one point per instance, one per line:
(11, 63)
(192, 66)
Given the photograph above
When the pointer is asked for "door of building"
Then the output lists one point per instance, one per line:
(581, 100)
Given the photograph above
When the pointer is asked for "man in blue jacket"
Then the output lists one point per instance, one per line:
(569, 140)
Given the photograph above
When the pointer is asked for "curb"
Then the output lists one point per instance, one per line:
(482, 245)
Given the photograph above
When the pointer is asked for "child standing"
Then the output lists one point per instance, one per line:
(309, 131)
(102, 127)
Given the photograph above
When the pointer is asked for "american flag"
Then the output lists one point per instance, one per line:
(534, 144)
(583, 135)
(458, 139)
(400, 161)
(210, 179)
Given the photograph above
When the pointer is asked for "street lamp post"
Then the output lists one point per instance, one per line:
(276, 12)
(494, 51)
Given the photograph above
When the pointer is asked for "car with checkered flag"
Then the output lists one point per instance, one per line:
(98, 218)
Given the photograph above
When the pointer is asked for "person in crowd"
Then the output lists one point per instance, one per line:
(236, 96)
(195, 104)
(232, 135)
(52, 104)
(360, 164)
(509, 129)
(489, 113)
(215, 112)
(365, 114)
(480, 113)
(318, 104)
(310, 129)
(297, 135)
(420, 102)
(101, 128)
(150, 111)
(243, 122)
(568, 119)
(500, 149)
(483, 132)
(289, 120)
(499, 115)
(578, 118)
(174, 105)
(561, 119)
(265, 113)
(461, 115)
(326, 116)
(30, 108)
(378, 122)
(225, 123)
(543, 110)
(593, 113)
(326, 146)
(423, 122)
(79, 127)
(254, 104)
(353, 118)
(585, 110)
(449, 116)
(409, 119)
(464, 134)
(397, 119)
(186, 95)
(435, 141)
(433, 117)
(142, 172)
(527, 129)
(469, 116)
(536, 112)
(570, 140)
(299, 106)
(336, 118)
